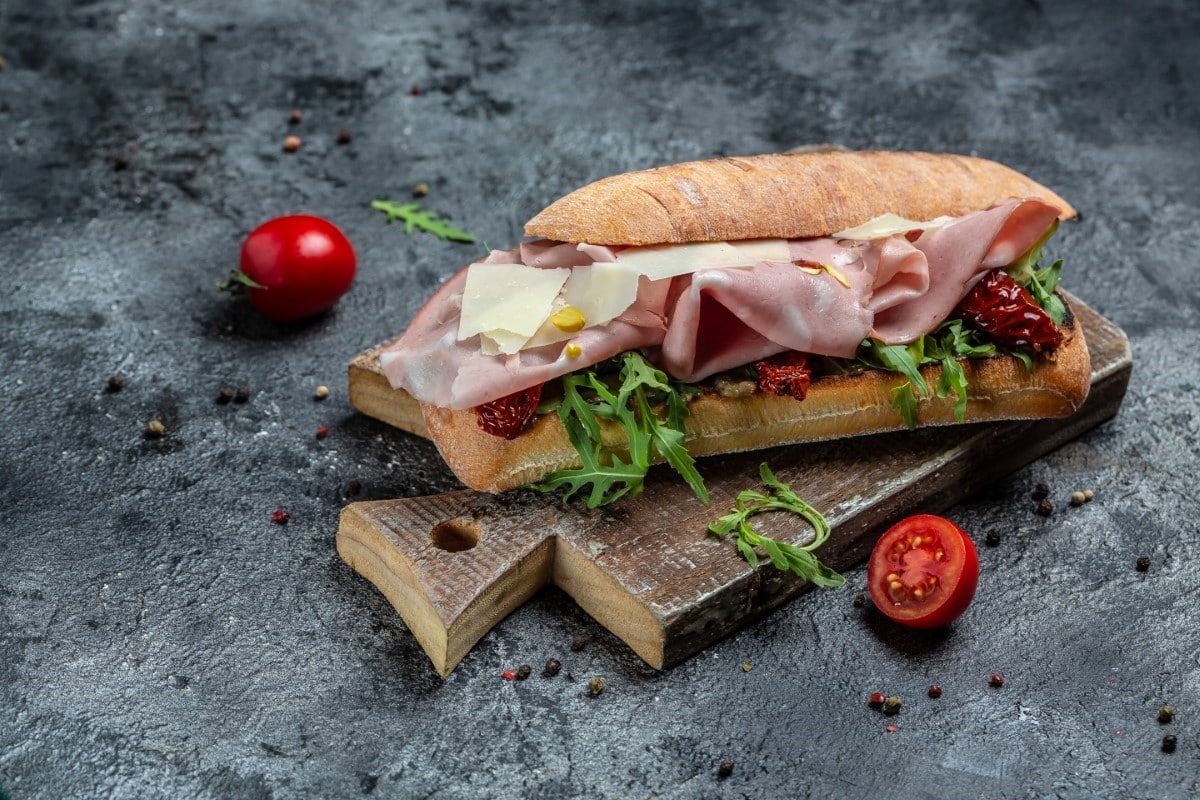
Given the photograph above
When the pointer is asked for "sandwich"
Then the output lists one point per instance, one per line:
(744, 303)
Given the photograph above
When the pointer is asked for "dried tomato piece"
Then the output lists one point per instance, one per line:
(509, 416)
(785, 374)
(1007, 311)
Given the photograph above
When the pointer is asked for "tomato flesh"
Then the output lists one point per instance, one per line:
(304, 264)
(923, 572)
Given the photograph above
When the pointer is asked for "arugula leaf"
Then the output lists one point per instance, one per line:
(1024, 266)
(785, 557)
(1041, 286)
(415, 217)
(634, 407)
(905, 402)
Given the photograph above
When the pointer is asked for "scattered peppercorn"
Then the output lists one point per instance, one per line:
(155, 429)
(524, 672)
(509, 675)
(295, 117)
(725, 768)
(415, 90)
(996, 680)
(875, 699)
(747, 666)
(553, 666)
(1169, 743)
(3, 63)
(1088, 495)
(1077, 499)
(322, 432)
(992, 539)
(115, 383)
(1045, 508)
(1166, 714)
(892, 704)
(291, 143)
(421, 189)
(321, 392)
(242, 394)
(578, 643)
(280, 517)
(344, 136)
(859, 600)
(935, 691)
(596, 686)
(225, 395)
(1040, 492)
(1142, 564)
(353, 487)
(120, 163)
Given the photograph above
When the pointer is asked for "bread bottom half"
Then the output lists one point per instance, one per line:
(836, 406)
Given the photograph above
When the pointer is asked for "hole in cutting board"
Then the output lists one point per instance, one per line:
(455, 535)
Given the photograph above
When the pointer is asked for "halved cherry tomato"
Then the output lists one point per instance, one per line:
(297, 266)
(923, 572)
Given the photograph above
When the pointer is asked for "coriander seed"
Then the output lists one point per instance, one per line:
(1166, 714)
(421, 189)
(596, 686)
(321, 392)
(155, 428)
(892, 704)
(1078, 499)
(1088, 495)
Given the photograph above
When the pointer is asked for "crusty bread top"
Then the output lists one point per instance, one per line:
(785, 195)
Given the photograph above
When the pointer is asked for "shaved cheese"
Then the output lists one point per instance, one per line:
(508, 302)
(601, 291)
(669, 260)
(886, 225)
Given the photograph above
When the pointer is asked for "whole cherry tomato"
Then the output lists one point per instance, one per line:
(923, 572)
(295, 266)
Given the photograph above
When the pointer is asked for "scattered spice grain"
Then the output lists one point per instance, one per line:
(353, 488)
(747, 666)
(321, 392)
(891, 705)
(1078, 499)
(875, 699)
(509, 675)
(891, 728)
(859, 600)
(120, 163)
(415, 90)
(524, 671)
(421, 189)
(725, 768)
(1166, 714)
(996, 680)
(1040, 492)
(322, 432)
(992, 539)
(553, 666)
(280, 517)
(291, 143)
(1142, 564)
(344, 136)
(1088, 495)
(578, 643)
(295, 117)
(242, 394)
(935, 691)
(155, 428)
(115, 384)
(1169, 743)
(224, 395)
(1045, 508)
(596, 686)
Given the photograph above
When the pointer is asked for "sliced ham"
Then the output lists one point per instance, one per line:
(698, 324)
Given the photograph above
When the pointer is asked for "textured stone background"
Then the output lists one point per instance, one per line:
(161, 638)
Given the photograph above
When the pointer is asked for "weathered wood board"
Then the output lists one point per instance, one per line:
(453, 565)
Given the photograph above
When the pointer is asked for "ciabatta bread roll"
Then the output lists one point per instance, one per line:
(839, 262)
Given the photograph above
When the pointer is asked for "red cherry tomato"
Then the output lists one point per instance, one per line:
(302, 264)
(923, 572)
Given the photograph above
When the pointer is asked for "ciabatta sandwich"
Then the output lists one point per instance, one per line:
(743, 303)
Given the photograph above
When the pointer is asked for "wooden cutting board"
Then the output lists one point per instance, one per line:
(455, 564)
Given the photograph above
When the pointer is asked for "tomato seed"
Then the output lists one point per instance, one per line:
(280, 517)
(996, 681)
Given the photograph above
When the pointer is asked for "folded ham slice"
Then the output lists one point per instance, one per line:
(832, 295)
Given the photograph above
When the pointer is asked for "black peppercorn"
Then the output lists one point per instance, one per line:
(1040, 492)
(992, 539)
(1045, 508)
(1169, 743)
(859, 600)
(552, 668)
(935, 691)
(578, 643)
(115, 383)
(1142, 564)
(225, 395)
(242, 394)
(524, 671)
(353, 488)
(725, 769)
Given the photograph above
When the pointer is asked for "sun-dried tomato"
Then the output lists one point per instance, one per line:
(785, 374)
(1007, 311)
(510, 415)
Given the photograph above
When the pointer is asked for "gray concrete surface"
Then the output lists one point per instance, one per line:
(161, 638)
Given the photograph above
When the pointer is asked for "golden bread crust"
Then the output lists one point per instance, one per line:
(783, 195)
